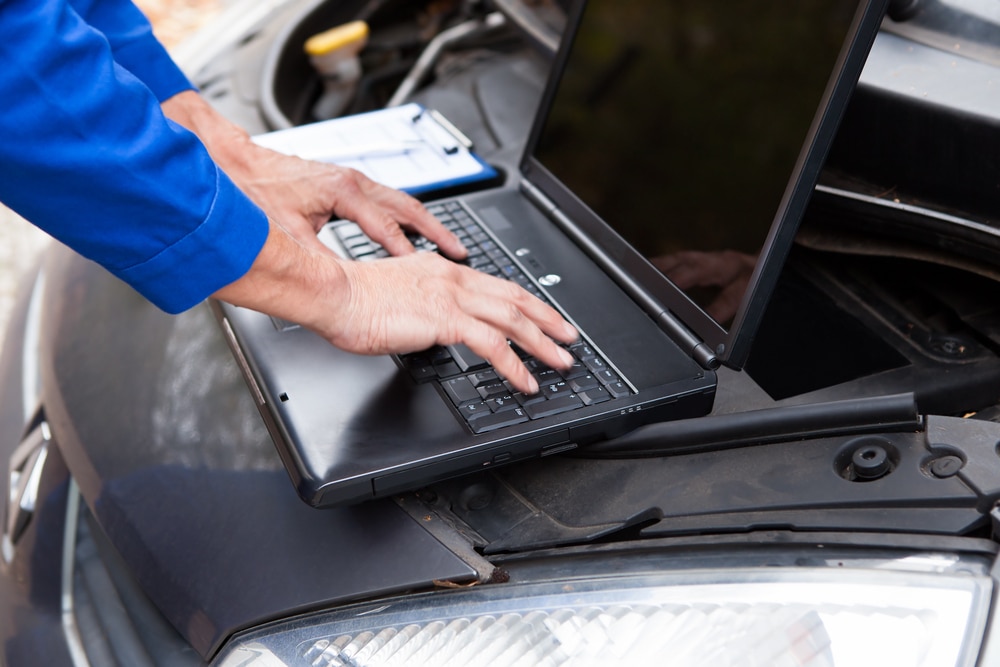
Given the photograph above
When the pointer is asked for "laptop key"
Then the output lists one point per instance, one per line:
(447, 369)
(502, 402)
(460, 391)
(524, 399)
(594, 395)
(494, 420)
(422, 372)
(534, 366)
(583, 383)
(492, 389)
(477, 260)
(607, 376)
(618, 389)
(574, 371)
(547, 376)
(553, 389)
(473, 411)
(466, 359)
(553, 406)
(348, 230)
(488, 376)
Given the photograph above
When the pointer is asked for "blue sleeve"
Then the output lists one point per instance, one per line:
(133, 44)
(88, 156)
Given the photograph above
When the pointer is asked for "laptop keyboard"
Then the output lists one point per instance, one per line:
(484, 399)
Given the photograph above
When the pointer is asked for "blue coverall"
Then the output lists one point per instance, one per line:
(87, 155)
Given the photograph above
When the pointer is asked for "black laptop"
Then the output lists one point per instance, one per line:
(673, 154)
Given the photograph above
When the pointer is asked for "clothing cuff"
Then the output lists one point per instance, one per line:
(216, 253)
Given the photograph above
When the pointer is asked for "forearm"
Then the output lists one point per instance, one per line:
(292, 281)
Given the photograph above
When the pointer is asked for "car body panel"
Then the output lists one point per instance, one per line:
(31, 630)
(177, 467)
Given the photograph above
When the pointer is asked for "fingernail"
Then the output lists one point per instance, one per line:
(532, 386)
(567, 358)
(458, 248)
(571, 331)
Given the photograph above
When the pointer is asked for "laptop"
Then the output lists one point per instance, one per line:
(673, 154)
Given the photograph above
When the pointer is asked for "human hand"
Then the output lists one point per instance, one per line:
(407, 304)
(402, 304)
(303, 195)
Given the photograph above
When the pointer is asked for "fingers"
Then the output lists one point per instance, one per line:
(374, 219)
(384, 213)
(411, 214)
(429, 226)
(521, 317)
(500, 311)
(410, 303)
(303, 194)
(488, 341)
(385, 230)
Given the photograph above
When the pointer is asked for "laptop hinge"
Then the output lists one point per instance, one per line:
(666, 320)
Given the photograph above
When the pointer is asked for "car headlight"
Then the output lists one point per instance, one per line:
(772, 617)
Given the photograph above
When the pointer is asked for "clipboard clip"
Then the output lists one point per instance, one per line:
(438, 122)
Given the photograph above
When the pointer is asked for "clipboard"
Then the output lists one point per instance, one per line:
(409, 147)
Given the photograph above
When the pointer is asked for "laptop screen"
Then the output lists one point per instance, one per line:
(682, 125)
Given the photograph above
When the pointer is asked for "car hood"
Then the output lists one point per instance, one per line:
(171, 455)
(158, 428)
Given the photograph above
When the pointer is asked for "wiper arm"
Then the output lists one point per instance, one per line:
(880, 414)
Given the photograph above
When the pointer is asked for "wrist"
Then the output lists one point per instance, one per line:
(294, 282)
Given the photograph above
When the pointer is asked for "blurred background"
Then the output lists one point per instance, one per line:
(173, 20)
(20, 243)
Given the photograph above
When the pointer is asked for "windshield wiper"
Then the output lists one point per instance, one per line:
(880, 414)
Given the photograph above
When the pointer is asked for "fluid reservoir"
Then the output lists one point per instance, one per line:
(334, 54)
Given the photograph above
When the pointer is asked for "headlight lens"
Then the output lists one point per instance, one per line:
(819, 617)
